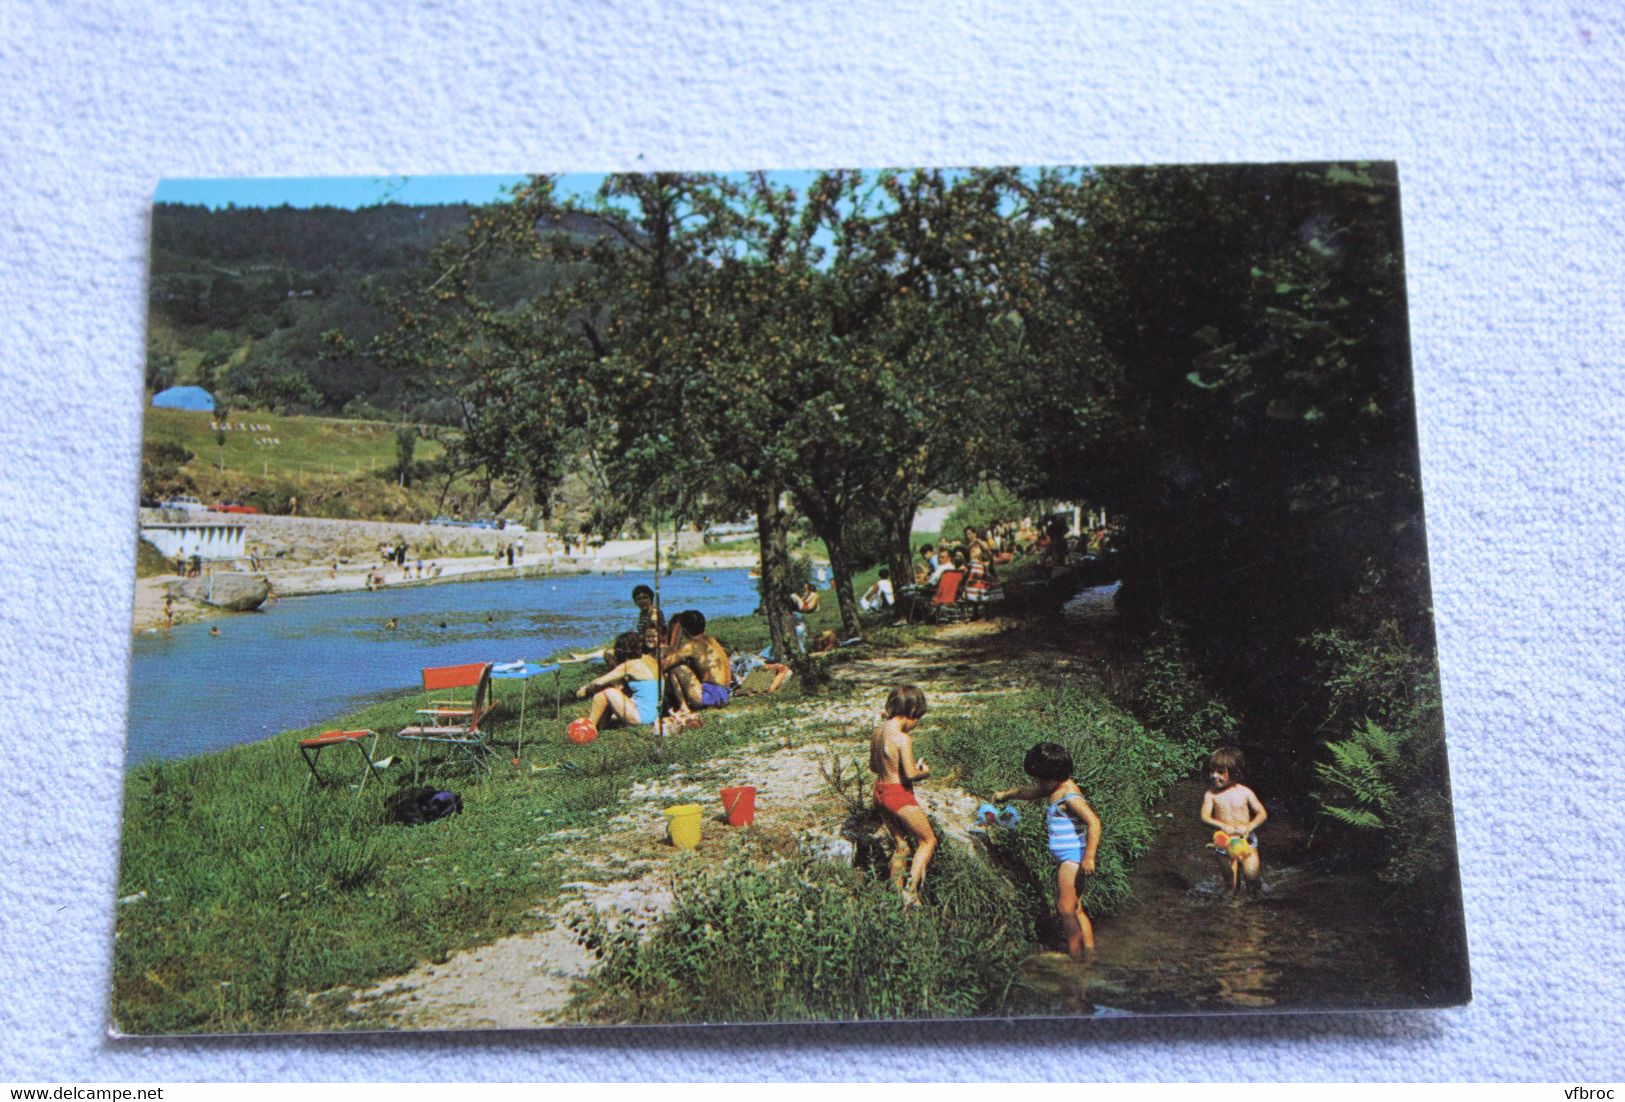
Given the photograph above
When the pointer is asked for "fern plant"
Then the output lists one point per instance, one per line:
(1360, 777)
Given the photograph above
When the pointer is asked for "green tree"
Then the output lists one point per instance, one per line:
(1220, 355)
(875, 293)
(406, 442)
(928, 271)
(214, 352)
(160, 368)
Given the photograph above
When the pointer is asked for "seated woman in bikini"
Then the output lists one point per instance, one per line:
(630, 692)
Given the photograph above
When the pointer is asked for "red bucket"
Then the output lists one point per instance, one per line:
(740, 804)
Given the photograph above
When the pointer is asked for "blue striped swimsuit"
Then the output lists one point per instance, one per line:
(1064, 843)
(646, 696)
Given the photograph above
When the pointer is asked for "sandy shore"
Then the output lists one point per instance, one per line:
(289, 578)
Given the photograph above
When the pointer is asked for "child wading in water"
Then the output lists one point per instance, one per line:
(891, 759)
(1232, 808)
(1050, 765)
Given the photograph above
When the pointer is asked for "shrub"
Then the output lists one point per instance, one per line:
(1386, 785)
(989, 503)
(1156, 679)
(150, 562)
(161, 468)
(808, 939)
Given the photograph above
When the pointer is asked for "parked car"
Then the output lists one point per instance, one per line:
(232, 507)
(148, 501)
(184, 503)
(449, 522)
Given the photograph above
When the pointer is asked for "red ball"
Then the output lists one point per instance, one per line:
(581, 731)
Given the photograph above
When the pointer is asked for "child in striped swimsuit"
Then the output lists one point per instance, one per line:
(1049, 764)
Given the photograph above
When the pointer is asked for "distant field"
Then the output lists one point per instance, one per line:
(268, 445)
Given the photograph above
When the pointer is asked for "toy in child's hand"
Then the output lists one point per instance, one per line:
(581, 731)
(993, 815)
(1233, 845)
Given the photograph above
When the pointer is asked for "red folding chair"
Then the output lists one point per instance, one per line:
(311, 750)
(437, 679)
(946, 607)
(462, 731)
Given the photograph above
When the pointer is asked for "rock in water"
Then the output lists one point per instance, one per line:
(237, 592)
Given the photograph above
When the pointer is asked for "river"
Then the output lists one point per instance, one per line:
(309, 659)
(1183, 943)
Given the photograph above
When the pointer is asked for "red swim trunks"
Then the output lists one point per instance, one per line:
(894, 797)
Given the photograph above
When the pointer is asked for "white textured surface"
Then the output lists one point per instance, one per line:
(1506, 120)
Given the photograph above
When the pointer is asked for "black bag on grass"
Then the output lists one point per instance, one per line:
(416, 806)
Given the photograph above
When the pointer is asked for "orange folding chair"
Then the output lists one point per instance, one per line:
(448, 679)
(460, 729)
(311, 750)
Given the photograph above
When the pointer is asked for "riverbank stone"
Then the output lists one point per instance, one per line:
(234, 592)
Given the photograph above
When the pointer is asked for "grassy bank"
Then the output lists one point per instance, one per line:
(244, 888)
(253, 901)
(336, 467)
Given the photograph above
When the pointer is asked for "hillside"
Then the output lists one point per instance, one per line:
(335, 467)
(244, 301)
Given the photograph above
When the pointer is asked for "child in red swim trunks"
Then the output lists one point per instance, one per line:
(891, 759)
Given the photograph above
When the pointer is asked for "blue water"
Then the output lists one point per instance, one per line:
(310, 659)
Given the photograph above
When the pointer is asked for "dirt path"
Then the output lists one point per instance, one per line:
(625, 868)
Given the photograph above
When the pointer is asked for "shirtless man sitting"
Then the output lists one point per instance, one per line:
(697, 664)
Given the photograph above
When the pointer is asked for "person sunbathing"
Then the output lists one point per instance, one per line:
(630, 693)
(697, 664)
(744, 665)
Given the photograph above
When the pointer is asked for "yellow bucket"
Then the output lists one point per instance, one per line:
(683, 825)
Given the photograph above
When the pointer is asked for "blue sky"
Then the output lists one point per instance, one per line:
(351, 192)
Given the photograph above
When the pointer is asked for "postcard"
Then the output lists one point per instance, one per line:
(781, 596)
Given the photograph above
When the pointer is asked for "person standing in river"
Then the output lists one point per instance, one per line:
(1049, 764)
(1231, 807)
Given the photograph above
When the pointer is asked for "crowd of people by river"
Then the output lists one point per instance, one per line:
(964, 575)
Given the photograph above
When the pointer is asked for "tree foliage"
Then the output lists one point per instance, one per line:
(1218, 356)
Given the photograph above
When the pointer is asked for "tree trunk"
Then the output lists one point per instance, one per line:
(773, 538)
(840, 564)
(828, 521)
(898, 521)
